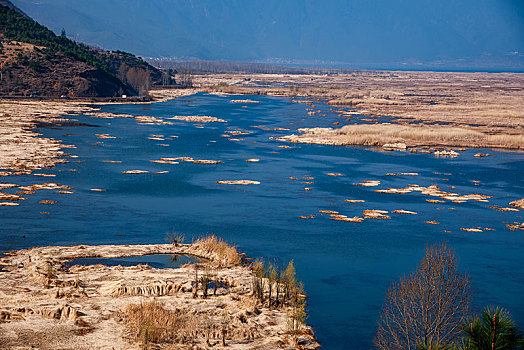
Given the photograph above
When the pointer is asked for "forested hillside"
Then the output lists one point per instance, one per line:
(36, 61)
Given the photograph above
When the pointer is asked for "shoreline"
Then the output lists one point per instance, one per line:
(421, 101)
(37, 309)
(36, 152)
(23, 150)
(86, 306)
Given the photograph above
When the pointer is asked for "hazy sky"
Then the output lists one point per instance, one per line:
(373, 33)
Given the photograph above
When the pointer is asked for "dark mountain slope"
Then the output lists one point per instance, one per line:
(33, 60)
(7, 3)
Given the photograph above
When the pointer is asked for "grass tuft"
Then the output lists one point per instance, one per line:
(225, 252)
(156, 327)
(152, 323)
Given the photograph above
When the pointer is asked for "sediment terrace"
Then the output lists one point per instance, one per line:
(48, 305)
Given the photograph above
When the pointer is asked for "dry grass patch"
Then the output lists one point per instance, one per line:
(411, 135)
(153, 325)
(515, 226)
(151, 322)
(484, 99)
(228, 254)
(518, 204)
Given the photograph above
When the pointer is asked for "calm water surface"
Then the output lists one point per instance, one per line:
(158, 261)
(346, 267)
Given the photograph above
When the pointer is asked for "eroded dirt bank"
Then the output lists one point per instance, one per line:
(47, 305)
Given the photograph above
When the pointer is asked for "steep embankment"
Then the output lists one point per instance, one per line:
(35, 61)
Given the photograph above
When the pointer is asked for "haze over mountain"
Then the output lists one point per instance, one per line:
(360, 33)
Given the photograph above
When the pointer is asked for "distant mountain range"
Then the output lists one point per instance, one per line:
(35, 61)
(362, 33)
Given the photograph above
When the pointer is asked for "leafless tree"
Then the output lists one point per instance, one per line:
(139, 79)
(185, 80)
(122, 70)
(218, 67)
(427, 307)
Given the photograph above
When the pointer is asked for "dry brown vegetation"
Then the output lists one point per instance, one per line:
(226, 254)
(411, 135)
(493, 102)
(468, 98)
(22, 149)
(278, 288)
(153, 324)
(518, 204)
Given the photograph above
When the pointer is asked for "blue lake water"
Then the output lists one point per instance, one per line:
(346, 267)
(158, 261)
